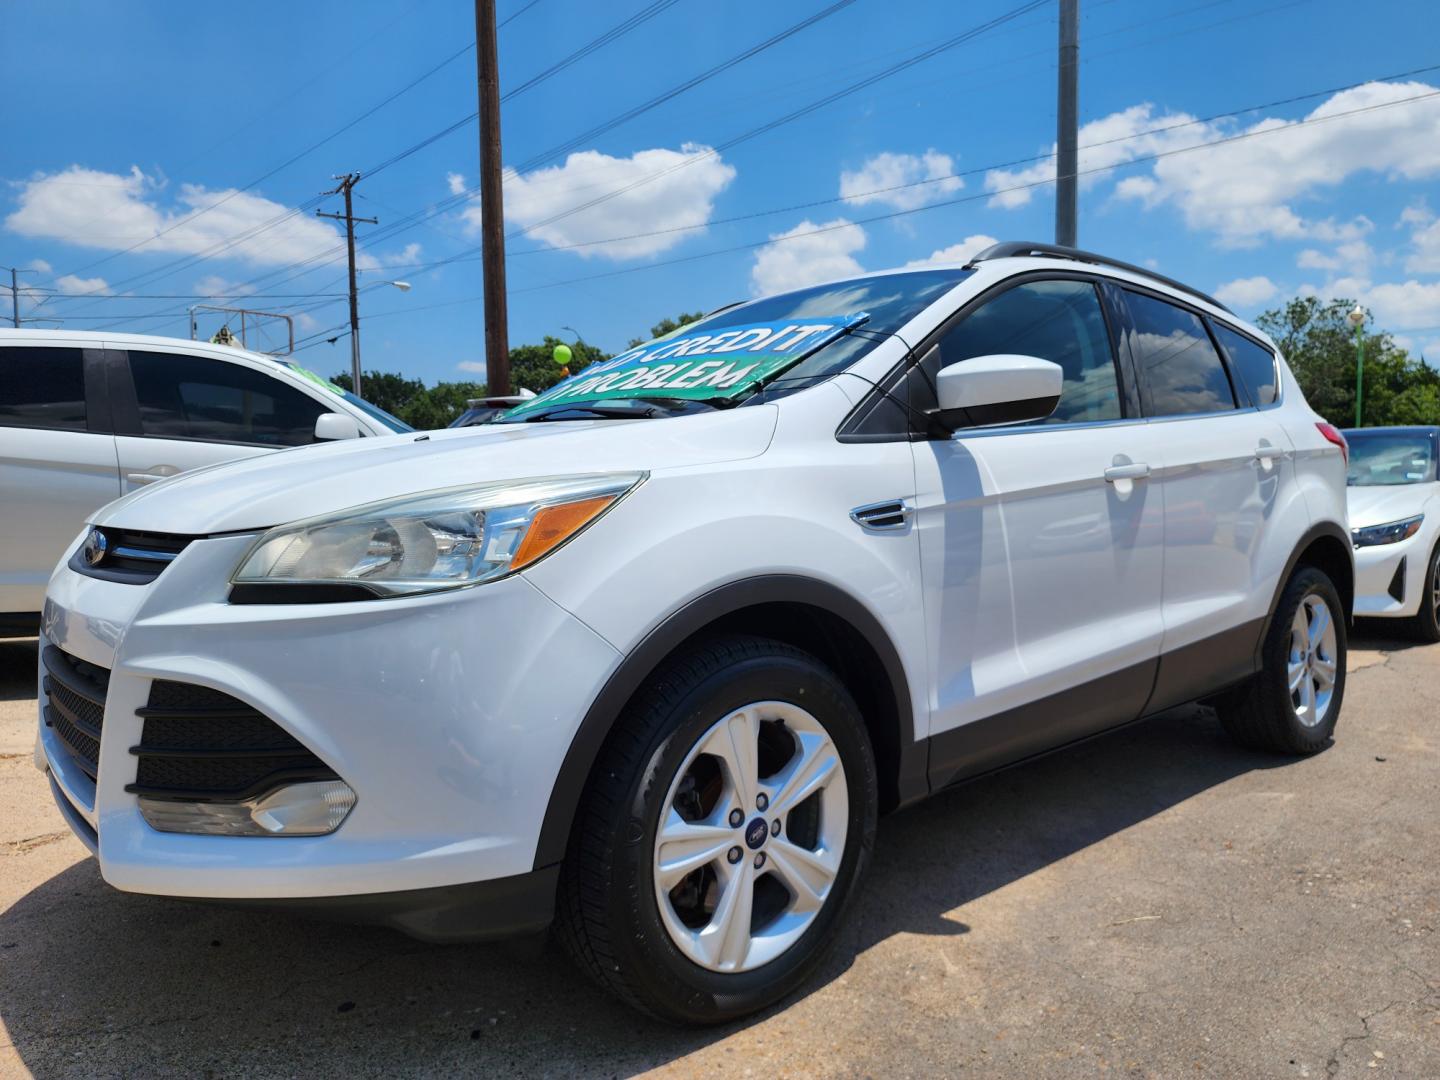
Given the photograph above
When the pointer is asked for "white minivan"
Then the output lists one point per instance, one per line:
(646, 656)
(87, 417)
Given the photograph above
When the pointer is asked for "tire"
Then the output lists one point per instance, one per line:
(1264, 713)
(668, 764)
(1425, 624)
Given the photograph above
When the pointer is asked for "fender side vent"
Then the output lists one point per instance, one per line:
(882, 517)
(1397, 583)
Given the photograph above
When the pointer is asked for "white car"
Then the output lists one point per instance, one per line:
(646, 657)
(1394, 502)
(86, 417)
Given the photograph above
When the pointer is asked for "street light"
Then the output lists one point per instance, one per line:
(1357, 320)
(403, 286)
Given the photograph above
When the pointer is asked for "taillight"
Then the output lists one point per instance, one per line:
(1332, 434)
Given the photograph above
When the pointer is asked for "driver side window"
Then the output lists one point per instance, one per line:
(1060, 321)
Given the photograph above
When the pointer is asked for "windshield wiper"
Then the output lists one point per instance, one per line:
(599, 412)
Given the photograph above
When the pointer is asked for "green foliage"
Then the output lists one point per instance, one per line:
(532, 367)
(668, 326)
(1319, 344)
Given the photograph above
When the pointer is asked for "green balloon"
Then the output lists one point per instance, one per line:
(562, 355)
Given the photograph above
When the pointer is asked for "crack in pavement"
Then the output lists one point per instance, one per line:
(1332, 1064)
(22, 847)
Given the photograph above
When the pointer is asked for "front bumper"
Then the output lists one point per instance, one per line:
(1384, 588)
(449, 715)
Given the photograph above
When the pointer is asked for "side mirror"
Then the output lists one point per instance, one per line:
(334, 425)
(998, 389)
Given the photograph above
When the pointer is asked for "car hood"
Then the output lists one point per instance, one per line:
(272, 489)
(1379, 504)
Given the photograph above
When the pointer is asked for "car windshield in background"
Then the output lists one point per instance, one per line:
(847, 319)
(394, 423)
(1379, 459)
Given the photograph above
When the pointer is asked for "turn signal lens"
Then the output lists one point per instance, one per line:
(553, 525)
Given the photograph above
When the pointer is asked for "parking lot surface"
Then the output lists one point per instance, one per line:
(1153, 903)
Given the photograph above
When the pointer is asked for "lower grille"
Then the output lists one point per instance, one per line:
(75, 705)
(201, 745)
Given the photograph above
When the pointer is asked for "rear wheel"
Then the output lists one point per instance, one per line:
(1425, 624)
(722, 834)
(1291, 706)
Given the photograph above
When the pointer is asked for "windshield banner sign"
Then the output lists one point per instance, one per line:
(702, 364)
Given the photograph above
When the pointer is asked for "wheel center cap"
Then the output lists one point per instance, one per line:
(756, 832)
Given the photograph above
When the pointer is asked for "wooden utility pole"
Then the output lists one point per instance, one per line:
(492, 203)
(1067, 122)
(347, 184)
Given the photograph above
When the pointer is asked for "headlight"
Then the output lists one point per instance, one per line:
(423, 543)
(1391, 533)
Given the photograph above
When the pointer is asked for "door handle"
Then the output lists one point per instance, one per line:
(155, 472)
(1268, 452)
(1136, 470)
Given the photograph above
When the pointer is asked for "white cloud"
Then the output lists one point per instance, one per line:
(76, 286)
(903, 181)
(955, 253)
(215, 285)
(1245, 191)
(1102, 146)
(111, 211)
(1247, 292)
(680, 198)
(474, 367)
(811, 257)
(1424, 239)
(40, 266)
(1402, 305)
(455, 182)
(1310, 259)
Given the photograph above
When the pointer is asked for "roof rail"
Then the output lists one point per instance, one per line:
(1009, 249)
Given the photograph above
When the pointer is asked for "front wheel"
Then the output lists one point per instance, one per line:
(1292, 704)
(1425, 624)
(722, 834)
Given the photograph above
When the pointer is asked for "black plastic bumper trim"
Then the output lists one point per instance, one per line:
(448, 914)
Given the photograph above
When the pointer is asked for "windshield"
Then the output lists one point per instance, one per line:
(789, 341)
(394, 423)
(1387, 458)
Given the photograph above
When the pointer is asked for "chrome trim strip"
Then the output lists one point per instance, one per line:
(145, 554)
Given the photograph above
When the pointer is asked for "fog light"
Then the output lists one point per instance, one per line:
(311, 809)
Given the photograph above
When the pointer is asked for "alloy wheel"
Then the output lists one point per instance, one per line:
(751, 837)
(1311, 668)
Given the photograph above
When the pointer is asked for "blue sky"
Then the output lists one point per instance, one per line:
(135, 135)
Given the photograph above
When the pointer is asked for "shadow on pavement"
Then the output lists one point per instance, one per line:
(17, 668)
(189, 988)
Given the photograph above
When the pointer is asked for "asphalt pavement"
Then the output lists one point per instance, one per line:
(1153, 903)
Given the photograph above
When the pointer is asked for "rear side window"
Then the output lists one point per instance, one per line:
(194, 397)
(1060, 321)
(42, 388)
(1252, 363)
(1183, 372)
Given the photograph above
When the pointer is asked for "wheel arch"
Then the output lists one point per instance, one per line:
(818, 617)
(1325, 545)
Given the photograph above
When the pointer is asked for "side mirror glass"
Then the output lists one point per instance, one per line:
(998, 389)
(334, 425)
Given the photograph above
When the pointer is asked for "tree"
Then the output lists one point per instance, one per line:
(533, 367)
(668, 326)
(384, 388)
(1319, 343)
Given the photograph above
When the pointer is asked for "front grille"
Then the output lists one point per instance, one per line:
(131, 556)
(75, 705)
(201, 745)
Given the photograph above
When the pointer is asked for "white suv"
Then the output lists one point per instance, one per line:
(646, 657)
(86, 417)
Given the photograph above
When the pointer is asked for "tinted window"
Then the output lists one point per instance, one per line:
(1060, 321)
(1252, 363)
(1182, 369)
(42, 388)
(193, 397)
(1385, 458)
